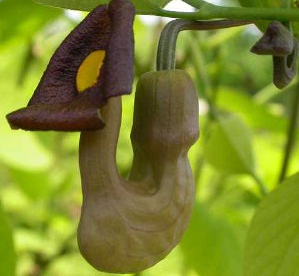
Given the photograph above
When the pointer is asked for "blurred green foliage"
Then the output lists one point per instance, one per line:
(40, 191)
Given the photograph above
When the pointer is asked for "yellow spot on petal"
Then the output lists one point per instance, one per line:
(89, 70)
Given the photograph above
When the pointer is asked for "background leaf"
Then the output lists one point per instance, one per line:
(211, 246)
(22, 19)
(7, 253)
(28, 182)
(273, 237)
(229, 148)
(88, 5)
(256, 115)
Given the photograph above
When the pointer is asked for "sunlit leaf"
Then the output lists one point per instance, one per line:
(255, 114)
(88, 5)
(22, 150)
(7, 253)
(22, 19)
(211, 246)
(228, 147)
(35, 241)
(19, 149)
(71, 265)
(36, 185)
(172, 265)
(272, 246)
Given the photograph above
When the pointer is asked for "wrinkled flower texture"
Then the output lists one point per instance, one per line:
(126, 225)
(94, 63)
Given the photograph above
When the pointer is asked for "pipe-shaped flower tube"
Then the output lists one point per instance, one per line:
(129, 225)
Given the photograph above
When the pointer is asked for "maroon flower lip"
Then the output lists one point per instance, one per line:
(57, 103)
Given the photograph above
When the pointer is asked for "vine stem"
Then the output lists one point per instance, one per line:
(168, 38)
(291, 135)
(209, 11)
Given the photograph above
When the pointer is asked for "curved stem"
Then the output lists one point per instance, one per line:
(168, 38)
(209, 11)
(291, 135)
(167, 44)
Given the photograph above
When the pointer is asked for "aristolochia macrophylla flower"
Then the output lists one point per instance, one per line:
(94, 63)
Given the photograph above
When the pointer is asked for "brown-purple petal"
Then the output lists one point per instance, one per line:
(118, 71)
(58, 84)
(59, 117)
(108, 28)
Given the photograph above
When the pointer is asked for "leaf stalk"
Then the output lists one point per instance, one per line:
(209, 11)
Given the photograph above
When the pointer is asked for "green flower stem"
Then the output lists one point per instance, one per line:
(209, 11)
(168, 39)
(291, 134)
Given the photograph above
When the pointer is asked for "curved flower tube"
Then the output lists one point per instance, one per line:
(129, 225)
(94, 63)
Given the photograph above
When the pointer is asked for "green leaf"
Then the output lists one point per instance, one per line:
(172, 265)
(22, 19)
(36, 185)
(228, 147)
(33, 241)
(18, 149)
(23, 150)
(88, 5)
(211, 245)
(272, 246)
(7, 252)
(256, 115)
(71, 265)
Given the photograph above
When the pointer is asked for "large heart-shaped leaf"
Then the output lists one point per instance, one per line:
(88, 5)
(272, 246)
